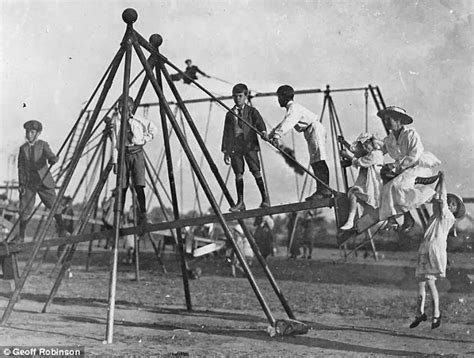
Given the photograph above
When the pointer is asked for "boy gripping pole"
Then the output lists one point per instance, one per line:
(34, 176)
(306, 122)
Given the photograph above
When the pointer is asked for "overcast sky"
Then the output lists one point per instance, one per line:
(419, 53)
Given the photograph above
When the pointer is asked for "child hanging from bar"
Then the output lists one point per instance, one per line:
(139, 132)
(366, 154)
(34, 177)
(432, 255)
(190, 71)
(239, 141)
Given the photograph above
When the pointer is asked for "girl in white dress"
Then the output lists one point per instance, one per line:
(367, 188)
(400, 194)
(432, 256)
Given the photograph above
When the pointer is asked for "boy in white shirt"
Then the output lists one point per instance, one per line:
(306, 122)
(139, 132)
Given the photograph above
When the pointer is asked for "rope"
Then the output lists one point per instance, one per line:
(193, 176)
(334, 146)
(296, 176)
(366, 95)
(221, 80)
(196, 198)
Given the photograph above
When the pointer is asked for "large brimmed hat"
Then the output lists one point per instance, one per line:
(396, 113)
(33, 124)
(461, 208)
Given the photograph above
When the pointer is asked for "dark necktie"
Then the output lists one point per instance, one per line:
(31, 153)
(239, 113)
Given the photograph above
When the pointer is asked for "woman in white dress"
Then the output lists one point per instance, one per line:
(400, 194)
(432, 255)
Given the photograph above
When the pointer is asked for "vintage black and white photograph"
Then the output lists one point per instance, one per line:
(215, 178)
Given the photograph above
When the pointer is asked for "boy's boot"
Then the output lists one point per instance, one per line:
(261, 186)
(60, 228)
(240, 206)
(61, 231)
(321, 171)
(21, 233)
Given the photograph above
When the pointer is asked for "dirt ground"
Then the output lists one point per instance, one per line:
(355, 308)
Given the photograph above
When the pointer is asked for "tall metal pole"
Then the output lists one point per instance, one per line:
(158, 196)
(126, 43)
(169, 162)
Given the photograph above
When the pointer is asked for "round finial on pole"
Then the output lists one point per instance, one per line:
(156, 40)
(129, 16)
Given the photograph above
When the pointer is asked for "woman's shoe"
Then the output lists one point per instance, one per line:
(408, 222)
(436, 322)
(406, 227)
(418, 320)
(348, 225)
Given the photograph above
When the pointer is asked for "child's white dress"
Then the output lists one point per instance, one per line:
(368, 185)
(432, 255)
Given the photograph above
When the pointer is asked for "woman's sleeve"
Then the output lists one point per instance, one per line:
(413, 151)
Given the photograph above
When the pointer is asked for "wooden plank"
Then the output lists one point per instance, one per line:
(207, 249)
(141, 230)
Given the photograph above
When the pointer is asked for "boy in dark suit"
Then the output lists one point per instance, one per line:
(239, 141)
(34, 176)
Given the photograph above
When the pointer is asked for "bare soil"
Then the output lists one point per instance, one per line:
(359, 307)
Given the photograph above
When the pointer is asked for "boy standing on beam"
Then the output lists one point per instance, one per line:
(239, 141)
(34, 176)
(306, 122)
(139, 132)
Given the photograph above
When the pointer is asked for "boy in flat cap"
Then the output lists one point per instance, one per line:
(34, 176)
(240, 142)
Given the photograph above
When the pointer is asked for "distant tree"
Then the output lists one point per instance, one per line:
(156, 214)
